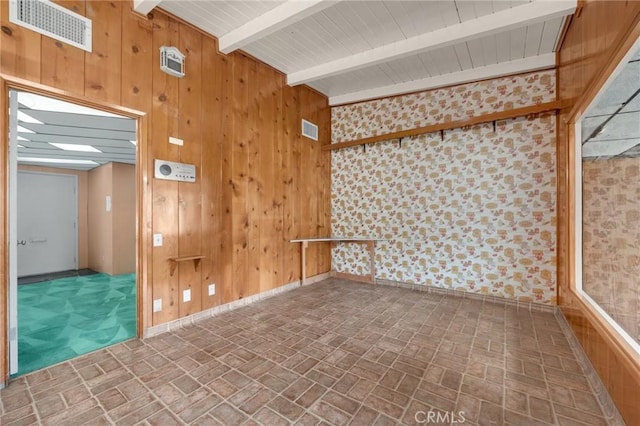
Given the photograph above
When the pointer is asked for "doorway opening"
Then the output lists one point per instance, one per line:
(72, 223)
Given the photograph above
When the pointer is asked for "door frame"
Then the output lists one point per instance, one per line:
(75, 212)
(143, 204)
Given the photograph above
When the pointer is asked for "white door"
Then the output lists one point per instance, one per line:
(47, 216)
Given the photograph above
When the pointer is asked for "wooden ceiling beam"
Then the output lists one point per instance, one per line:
(143, 7)
(273, 20)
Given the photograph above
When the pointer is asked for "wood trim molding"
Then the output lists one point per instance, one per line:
(143, 205)
(40, 89)
(617, 53)
(144, 228)
(563, 33)
(4, 235)
(484, 118)
(367, 279)
(627, 354)
(579, 106)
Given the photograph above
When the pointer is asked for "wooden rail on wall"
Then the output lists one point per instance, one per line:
(432, 128)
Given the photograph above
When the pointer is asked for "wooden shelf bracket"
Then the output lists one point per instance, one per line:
(175, 260)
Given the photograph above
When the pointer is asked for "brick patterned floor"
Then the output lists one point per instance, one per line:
(334, 353)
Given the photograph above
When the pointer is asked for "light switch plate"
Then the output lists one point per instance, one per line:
(212, 289)
(157, 305)
(186, 295)
(157, 240)
(108, 203)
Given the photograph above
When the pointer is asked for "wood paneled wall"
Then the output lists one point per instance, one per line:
(259, 183)
(594, 43)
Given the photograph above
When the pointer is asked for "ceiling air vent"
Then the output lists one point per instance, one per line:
(309, 130)
(52, 20)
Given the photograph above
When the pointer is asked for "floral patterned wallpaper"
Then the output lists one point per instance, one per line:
(365, 119)
(611, 238)
(474, 211)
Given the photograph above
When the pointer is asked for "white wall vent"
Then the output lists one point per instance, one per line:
(52, 20)
(309, 130)
(172, 61)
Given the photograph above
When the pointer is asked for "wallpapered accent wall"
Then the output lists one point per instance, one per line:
(388, 115)
(473, 212)
(611, 238)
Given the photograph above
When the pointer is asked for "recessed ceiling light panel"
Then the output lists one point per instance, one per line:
(55, 160)
(75, 147)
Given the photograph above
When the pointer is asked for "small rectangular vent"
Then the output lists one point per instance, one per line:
(52, 20)
(309, 130)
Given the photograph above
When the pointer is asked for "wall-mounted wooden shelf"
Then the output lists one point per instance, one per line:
(175, 260)
(441, 127)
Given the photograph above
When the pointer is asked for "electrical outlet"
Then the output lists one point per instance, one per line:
(157, 240)
(157, 305)
(186, 295)
(212, 289)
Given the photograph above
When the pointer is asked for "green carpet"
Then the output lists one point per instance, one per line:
(67, 317)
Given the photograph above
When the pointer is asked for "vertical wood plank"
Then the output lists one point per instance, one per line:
(62, 65)
(211, 116)
(271, 229)
(279, 247)
(308, 183)
(240, 171)
(228, 186)
(267, 217)
(136, 92)
(103, 66)
(251, 282)
(323, 115)
(290, 179)
(20, 54)
(137, 62)
(165, 193)
(189, 194)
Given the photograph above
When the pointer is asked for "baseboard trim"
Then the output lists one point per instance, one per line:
(498, 300)
(609, 409)
(216, 310)
(352, 277)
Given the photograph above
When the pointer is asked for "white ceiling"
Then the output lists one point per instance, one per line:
(44, 121)
(364, 49)
(611, 125)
